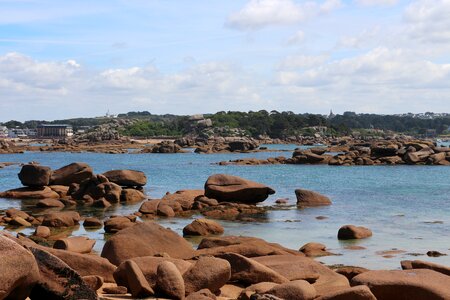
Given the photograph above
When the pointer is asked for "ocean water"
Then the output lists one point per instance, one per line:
(406, 207)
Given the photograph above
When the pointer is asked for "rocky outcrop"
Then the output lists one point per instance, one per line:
(236, 189)
(73, 173)
(145, 239)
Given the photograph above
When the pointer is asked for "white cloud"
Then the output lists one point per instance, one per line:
(377, 2)
(257, 14)
(296, 38)
(301, 61)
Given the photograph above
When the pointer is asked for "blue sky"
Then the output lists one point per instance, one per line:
(61, 59)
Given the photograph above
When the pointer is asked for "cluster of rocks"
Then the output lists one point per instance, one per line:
(9, 147)
(77, 184)
(398, 152)
(105, 132)
(163, 147)
(148, 260)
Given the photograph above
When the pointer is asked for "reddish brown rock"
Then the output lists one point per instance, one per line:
(294, 290)
(150, 206)
(19, 221)
(116, 224)
(18, 270)
(350, 272)
(296, 267)
(185, 198)
(92, 222)
(126, 177)
(204, 294)
(203, 227)
(30, 193)
(360, 292)
(315, 250)
(420, 264)
(207, 273)
(137, 284)
(419, 284)
(350, 232)
(48, 203)
(131, 196)
(73, 173)
(42, 231)
(145, 239)
(248, 271)
(306, 198)
(61, 219)
(35, 175)
(93, 281)
(108, 190)
(57, 280)
(246, 246)
(149, 267)
(227, 188)
(170, 282)
(79, 244)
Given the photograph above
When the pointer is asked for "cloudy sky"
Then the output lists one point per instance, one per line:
(61, 59)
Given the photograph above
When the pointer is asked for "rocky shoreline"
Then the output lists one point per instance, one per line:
(143, 259)
(382, 152)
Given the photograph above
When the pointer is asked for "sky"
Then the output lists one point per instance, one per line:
(63, 59)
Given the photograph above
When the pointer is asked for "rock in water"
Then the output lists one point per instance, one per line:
(126, 177)
(18, 270)
(73, 173)
(35, 176)
(228, 188)
(57, 280)
(350, 232)
(306, 198)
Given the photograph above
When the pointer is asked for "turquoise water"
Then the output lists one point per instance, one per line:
(396, 202)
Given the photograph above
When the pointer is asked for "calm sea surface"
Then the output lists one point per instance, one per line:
(406, 207)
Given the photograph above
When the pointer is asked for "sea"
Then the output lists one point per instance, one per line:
(406, 207)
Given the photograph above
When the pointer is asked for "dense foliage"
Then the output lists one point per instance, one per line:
(274, 124)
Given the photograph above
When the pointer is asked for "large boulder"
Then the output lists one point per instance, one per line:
(35, 175)
(207, 273)
(306, 198)
(145, 239)
(30, 193)
(74, 173)
(18, 270)
(136, 282)
(57, 280)
(126, 177)
(228, 188)
(131, 196)
(203, 227)
(419, 284)
(293, 267)
(184, 198)
(79, 244)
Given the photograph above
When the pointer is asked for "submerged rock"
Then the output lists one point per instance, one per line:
(350, 232)
(306, 198)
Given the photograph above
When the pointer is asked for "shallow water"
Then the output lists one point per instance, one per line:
(396, 202)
